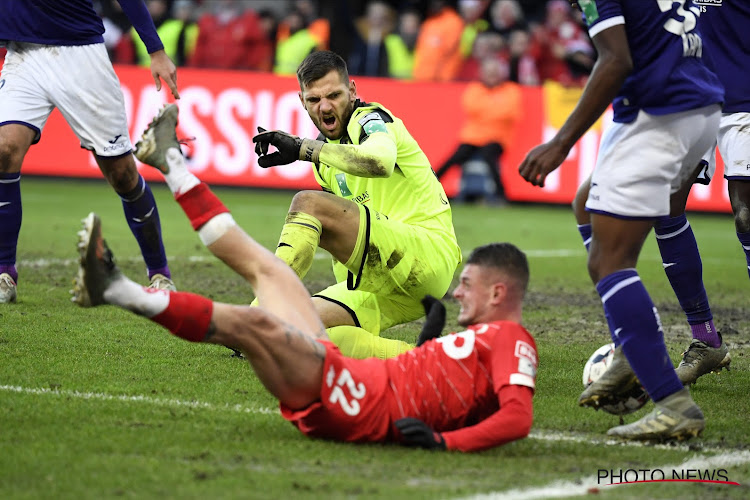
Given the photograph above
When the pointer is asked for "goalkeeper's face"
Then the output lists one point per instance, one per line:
(330, 102)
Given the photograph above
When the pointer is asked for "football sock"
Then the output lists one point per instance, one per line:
(200, 205)
(357, 343)
(684, 269)
(637, 326)
(131, 296)
(745, 242)
(298, 242)
(179, 178)
(585, 230)
(10, 222)
(188, 316)
(142, 215)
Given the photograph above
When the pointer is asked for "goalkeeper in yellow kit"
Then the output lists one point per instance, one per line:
(382, 215)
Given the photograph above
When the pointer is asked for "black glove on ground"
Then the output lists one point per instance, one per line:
(434, 319)
(416, 433)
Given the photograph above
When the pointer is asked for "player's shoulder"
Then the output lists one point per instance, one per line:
(365, 112)
(504, 331)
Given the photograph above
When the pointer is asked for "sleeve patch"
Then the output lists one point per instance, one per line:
(373, 126)
(589, 10)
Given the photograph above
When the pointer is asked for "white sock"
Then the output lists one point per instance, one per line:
(130, 295)
(179, 179)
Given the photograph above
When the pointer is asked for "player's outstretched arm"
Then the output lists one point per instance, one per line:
(612, 67)
(162, 68)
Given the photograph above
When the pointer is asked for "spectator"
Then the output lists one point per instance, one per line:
(402, 44)
(492, 107)
(437, 56)
(231, 37)
(565, 54)
(471, 12)
(291, 51)
(318, 28)
(506, 16)
(487, 44)
(179, 33)
(523, 65)
(370, 54)
(116, 25)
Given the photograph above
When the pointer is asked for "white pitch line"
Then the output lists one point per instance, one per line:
(42, 263)
(101, 396)
(582, 486)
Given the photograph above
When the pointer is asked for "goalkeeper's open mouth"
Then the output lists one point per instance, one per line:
(329, 122)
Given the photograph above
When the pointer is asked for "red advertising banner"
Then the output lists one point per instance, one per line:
(222, 110)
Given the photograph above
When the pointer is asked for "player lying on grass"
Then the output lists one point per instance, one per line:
(466, 391)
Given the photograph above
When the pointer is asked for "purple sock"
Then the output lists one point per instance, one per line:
(10, 222)
(143, 218)
(585, 230)
(745, 241)
(638, 328)
(684, 269)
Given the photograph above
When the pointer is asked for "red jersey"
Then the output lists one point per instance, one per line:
(455, 383)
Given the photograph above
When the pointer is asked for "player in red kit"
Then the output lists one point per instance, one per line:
(466, 391)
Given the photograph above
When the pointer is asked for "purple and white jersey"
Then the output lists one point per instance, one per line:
(69, 22)
(669, 74)
(725, 27)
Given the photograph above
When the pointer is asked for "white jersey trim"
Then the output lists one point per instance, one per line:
(521, 379)
(606, 24)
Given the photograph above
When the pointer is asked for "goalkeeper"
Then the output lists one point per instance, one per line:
(382, 215)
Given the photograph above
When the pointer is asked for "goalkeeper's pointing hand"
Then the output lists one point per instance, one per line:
(290, 148)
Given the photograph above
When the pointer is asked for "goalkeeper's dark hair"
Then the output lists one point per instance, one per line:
(506, 258)
(318, 64)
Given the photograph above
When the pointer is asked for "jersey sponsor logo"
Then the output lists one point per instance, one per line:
(375, 126)
(717, 3)
(589, 10)
(362, 198)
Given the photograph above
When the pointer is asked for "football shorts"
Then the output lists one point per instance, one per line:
(78, 80)
(393, 266)
(733, 141)
(640, 164)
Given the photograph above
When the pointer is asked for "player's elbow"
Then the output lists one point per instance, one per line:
(378, 168)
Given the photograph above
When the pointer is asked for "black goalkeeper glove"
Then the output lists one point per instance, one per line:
(434, 319)
(290, 148)
(414, 432)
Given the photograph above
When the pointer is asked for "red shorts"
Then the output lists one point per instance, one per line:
(354, 401)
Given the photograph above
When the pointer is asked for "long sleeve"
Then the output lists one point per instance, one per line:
(138, 14)
(511, 422)
(375, 157)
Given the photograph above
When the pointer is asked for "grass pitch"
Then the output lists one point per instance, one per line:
(99, 403)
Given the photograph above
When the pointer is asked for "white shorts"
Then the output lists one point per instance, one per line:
(642, 163)
(78, 80)
(734, 146)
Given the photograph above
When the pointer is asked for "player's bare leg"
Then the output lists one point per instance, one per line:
(15, 140)
(277, 287)
(288, 361)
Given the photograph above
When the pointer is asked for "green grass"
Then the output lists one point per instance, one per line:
(100, 403)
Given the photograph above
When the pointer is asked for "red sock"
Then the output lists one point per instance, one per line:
(188, 316)
(200, 205)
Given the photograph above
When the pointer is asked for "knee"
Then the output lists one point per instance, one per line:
(121, 173)
(243, 325)
(306, 201)
(11, 156)
(742, 218)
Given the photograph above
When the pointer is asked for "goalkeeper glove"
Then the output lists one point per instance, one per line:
(290, 148)
(415, 432)
(434, 319)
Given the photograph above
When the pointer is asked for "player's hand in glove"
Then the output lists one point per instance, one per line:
(414, 432)
(434, 319)
(290, 148)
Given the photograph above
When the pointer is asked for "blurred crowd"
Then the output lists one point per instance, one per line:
(424, 40)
